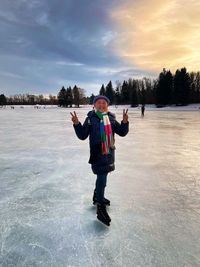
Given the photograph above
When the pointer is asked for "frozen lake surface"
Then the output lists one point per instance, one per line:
(46, 186)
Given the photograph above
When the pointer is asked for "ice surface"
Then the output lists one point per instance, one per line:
(46, 186)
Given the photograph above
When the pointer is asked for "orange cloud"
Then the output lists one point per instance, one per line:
(154, 34)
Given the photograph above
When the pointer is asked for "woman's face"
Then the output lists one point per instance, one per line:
(101, 105)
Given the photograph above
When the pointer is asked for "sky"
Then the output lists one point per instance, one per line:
(47, 44)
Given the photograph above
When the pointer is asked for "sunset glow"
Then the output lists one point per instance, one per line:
(156, 34)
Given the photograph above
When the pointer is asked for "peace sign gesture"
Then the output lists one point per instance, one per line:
(125, 116)
(74, 118)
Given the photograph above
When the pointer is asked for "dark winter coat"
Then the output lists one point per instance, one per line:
(91, 127)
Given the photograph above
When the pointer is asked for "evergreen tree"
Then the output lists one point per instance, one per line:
(110, 93)
(164, 88)
(118, 93)
(197, 87)
(125, 93)
(69, 97)
(193, 95)
(133, 93)
(76, 96)
(142, 93)
(62, 97)
(177, 88)
(102, 90)
(149, 93)
(91, 99)
(181, 87)
(129, 84)
(168, 88)
(3, 100)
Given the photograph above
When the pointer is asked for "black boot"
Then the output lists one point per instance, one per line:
(105, 200)
(102, 214)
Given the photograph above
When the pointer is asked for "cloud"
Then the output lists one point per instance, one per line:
(44, 43)
(39, 76)
(155, 34)
(62, 30)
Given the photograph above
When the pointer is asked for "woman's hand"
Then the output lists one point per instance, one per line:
(125, 116)
(74, 118)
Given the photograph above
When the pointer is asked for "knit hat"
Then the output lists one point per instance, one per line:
(101, 97)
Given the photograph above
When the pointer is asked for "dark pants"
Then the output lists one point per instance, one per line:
(100, 186)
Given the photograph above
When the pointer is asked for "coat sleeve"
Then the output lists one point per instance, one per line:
(121, 128)
(82, 131)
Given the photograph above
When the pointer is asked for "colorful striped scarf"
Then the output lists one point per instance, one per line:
(107, 140)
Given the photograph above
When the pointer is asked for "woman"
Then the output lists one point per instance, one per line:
(101, 125)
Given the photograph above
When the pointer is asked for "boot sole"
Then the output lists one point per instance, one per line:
(103, 221)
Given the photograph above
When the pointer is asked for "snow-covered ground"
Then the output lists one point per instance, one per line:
(46, 185)
(191, 107)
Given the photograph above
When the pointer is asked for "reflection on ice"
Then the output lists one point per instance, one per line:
(46, 186)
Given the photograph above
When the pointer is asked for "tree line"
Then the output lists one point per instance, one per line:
(28, 99)
(65, 98)
(180, 88)
(68, 97)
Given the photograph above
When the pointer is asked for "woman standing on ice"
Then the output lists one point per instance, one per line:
(101, 125)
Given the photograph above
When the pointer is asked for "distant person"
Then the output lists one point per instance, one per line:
(142, 110)
(101, 125)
